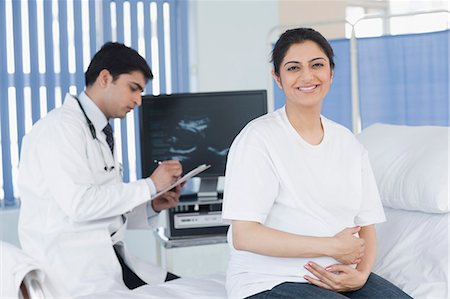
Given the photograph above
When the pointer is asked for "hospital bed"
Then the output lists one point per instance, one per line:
(211, 287)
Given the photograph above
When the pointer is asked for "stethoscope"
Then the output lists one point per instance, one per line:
(94, 136)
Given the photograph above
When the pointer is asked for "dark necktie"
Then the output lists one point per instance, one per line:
(109, 137)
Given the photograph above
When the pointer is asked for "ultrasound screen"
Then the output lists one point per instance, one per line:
(195, 128)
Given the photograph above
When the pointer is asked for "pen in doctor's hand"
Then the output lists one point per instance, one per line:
(166, 173)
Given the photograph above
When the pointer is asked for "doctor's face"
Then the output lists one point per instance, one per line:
(123, 94)
(305, 75)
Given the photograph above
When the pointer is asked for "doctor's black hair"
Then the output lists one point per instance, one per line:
(117, 59)
(297, 36)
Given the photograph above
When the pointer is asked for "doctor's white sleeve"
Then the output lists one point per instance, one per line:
(75, 177)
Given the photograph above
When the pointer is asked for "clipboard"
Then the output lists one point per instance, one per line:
(183, 179)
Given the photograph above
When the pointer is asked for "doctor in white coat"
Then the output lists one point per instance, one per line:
(75, 206)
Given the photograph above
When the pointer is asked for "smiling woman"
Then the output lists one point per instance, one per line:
(303, 69)
(300, 193)
(305, 76)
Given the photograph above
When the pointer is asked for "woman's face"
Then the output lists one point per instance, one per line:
(304, 75)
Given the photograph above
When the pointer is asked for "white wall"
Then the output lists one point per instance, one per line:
(228, 44)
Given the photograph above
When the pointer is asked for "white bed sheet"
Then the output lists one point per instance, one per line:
(413, 252)
(211, 287)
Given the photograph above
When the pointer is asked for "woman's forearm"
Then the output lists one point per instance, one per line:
(260, 239)
(368, 233)
(257, 238)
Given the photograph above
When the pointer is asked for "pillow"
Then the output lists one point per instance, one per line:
(411, 165)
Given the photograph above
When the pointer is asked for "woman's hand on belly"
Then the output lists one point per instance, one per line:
(347, 249)
(338, 278)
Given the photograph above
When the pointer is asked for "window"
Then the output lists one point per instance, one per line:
(46, 46)
(373, 25)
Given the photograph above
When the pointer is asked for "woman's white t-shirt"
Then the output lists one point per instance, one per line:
(276, 178)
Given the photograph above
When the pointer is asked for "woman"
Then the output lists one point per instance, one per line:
(300, 192)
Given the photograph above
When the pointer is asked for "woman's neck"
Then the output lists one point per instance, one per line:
(307, 123)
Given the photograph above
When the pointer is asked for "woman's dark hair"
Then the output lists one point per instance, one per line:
(117, 59)
(296, 36)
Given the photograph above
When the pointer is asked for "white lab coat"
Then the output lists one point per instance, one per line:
(70, 204)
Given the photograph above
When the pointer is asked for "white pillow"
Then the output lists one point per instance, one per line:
(411, 165)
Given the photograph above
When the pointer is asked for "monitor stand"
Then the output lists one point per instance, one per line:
(208, 188)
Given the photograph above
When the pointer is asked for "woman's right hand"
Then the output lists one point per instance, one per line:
(348, 249)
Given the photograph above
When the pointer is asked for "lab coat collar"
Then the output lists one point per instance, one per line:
(94, 113)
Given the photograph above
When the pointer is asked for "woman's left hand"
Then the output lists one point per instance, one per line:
(339, 278)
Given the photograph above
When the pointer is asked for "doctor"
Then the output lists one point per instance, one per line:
(75, 206)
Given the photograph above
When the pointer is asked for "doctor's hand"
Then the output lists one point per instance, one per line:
(166, 173)
(167, 200)
(348, 249)
(338, 278)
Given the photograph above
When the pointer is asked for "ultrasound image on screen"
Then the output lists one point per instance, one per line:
(188, 139)
(195, 128)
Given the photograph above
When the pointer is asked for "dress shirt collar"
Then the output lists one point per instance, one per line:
(94, 113)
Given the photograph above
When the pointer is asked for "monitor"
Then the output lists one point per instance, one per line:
(195, 128)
